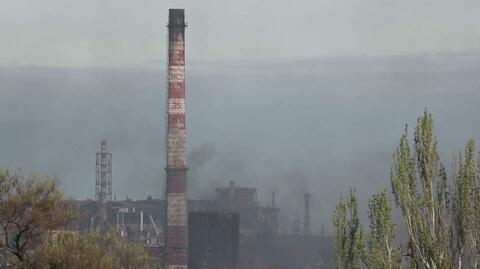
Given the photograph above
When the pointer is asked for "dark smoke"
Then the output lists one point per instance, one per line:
(318, 126)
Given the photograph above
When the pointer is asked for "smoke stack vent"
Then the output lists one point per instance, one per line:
(176, 241)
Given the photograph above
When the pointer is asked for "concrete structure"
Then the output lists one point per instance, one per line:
(176, 241)
(235, 197)
(287, 251)
(254, 219)
(132, 218)
(262, 242)
(213, 240)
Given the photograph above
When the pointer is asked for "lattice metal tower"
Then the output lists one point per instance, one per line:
(103, 178)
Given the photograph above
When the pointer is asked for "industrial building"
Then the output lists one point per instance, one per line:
(213, 240)
(260, 241)
(231, 231)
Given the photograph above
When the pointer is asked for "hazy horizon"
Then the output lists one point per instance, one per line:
(319, 126)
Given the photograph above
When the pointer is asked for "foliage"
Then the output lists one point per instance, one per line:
(441, 215)
(419, 186)
(348, 233)
(381, 251)
(34, 231)
(91, 250)
(465, 200)
(376, 249)
(28, 209)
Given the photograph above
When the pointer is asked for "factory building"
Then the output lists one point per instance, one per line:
(231, 231)
(213, 240)
(260, 241)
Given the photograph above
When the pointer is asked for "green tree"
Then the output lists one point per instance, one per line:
(441, 216)
(28, 209)
(35, 231)
(348, 233)
(71, 250)
(381, 251)
(375, 250)
(420, 190)
(465, 212)
(476, 221)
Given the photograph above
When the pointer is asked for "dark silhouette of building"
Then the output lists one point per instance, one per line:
(213, 240)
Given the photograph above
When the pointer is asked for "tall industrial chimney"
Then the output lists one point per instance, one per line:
(176, 240)
(306, 221)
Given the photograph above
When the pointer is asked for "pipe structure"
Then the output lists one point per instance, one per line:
(176, 240)
(306, 221)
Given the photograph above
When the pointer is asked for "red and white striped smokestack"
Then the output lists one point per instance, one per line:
(176, 240)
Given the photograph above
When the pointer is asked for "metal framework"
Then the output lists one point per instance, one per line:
(273, 199)
(103, 172)
(306, 221)
(296, 225)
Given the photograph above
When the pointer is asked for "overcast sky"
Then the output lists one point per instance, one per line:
(106, 32)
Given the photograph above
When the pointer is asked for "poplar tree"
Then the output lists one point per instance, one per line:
(348, 233)
(381, 251)
(419, 185)
(441, 216)
(465, 208)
